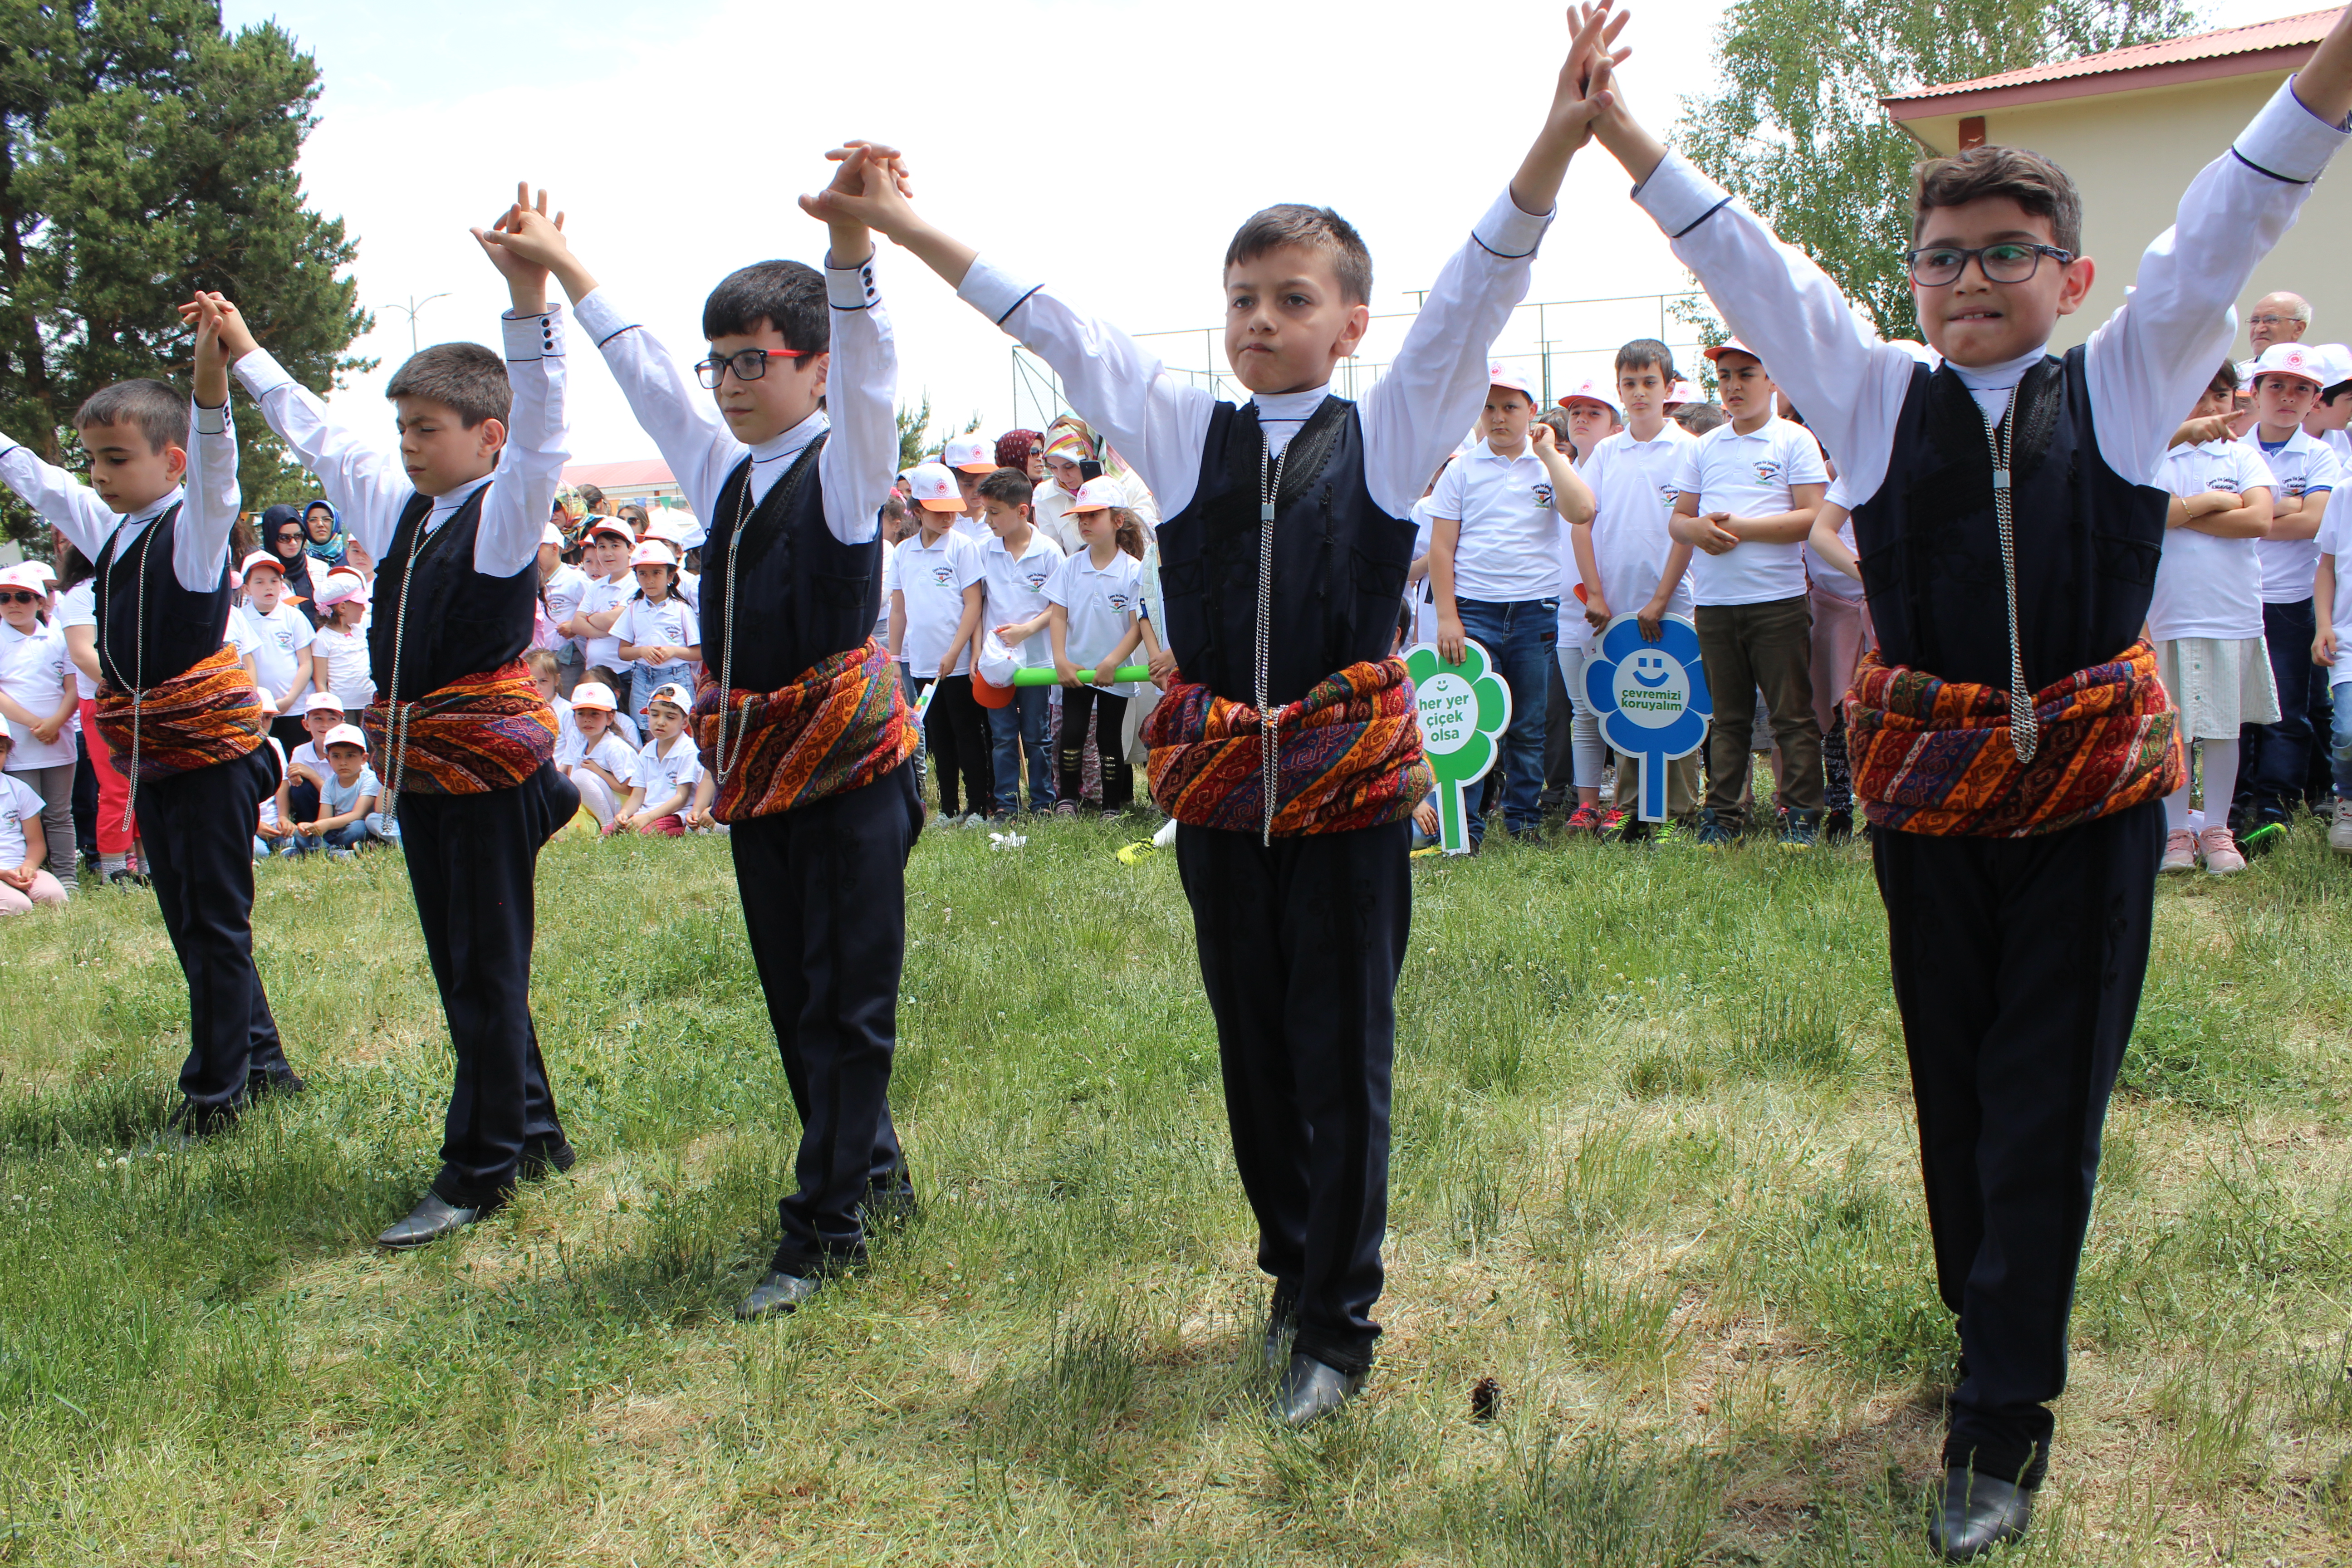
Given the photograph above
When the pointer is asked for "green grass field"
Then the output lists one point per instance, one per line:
(1654, 1173)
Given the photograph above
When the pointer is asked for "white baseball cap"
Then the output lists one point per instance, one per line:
(553, 535)
(340, 586)
(2335, 360)
(43, 571)
(322, 702)
(2293, 359)
(611, 525)
(1590, 390)
(934, 488)
(1099, 493)
(26, 575)
(653, 552)
(1732, 346)
(971, 454)
(679, 527)
(1500, 374)
(260, 558)
(674, 693)
(344, 735)
(593, 694)
(1680, 393)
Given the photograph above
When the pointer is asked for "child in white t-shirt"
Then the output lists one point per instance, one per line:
(2331, 595)
(39, 694)
(1016, 562)
(341, 642)
(656, 627)
(2206, 620)
(24, 881)
(600, 764)
(667, 769)
(1092, 600)
(607, 546)
(281, 652)
(937, 592)
(1747, 493)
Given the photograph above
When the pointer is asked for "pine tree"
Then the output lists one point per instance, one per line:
(145, 154)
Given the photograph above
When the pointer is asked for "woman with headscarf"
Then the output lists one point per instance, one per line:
(1024, 450)
(1070, 441)
(284, 535)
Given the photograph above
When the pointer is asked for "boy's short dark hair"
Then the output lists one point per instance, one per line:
(787, 295)
(1315, 228)
(2331, 393)
(159, 413)
(1558, 419)
(1698, 418)
(2224, 379)
(467, 379)
(1643, 353)
(604, 675)
(2027, 178)
(1010, 486)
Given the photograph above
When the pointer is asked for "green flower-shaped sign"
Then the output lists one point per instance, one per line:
(1463, 708)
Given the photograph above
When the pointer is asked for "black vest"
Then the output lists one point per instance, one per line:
(180, 629)
(1340, 560)
(458, 621)
(803, 595)
(2087, 538)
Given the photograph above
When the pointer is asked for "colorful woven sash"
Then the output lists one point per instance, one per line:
(839, 727)
(1934, 756)
(481, 733)
(1349, 755)
(211, 713)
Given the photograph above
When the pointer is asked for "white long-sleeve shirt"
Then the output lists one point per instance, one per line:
(200, 538)
(370, 486)
(1414, 416)
(2145, 364)
(858, 465)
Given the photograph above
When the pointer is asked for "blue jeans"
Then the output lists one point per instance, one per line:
(1519, 640)
(650, 679)
(2339, 749)
(1023, 724)
(350, 836)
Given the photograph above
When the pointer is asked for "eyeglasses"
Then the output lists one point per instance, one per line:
(2270, 321)
(749, 365)
(19, 598)
(2011, 261)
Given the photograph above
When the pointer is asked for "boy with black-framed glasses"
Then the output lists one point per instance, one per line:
(2011, 736)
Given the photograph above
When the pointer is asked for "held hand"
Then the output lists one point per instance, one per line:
(1453, 643)
(235, 338)
(18, 877)
(1066, 673)
(1106, 672)
(1582, 92)
(212, 354)
(1596, 608)
(871, 189)
(47, 730)
(1651, 618)
(522, 244)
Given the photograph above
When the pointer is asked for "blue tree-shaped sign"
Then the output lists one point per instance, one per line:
(1463, 708)
(1652, 698)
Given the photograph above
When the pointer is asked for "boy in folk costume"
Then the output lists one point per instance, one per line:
(800, 718)
(461, 736)
(175, 703)
(1284, 559)
(2011, 739)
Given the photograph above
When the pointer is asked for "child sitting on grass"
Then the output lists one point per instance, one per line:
(597, 761)
(347, 799)
(668, 767)
(24, 881)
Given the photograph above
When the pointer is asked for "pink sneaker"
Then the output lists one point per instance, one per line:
(2179, 851)
(2221, 850)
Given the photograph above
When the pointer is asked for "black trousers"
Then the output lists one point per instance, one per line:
(824, 907)
(198, 829)
(2018, 964)
(85, 799)
(1109, 714)
(473, 861)
(1300, 944)
(2275, 763)
(956, 732)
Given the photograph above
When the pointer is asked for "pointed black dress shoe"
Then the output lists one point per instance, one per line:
(432, 1217)
(779, 1293)
(1309, 1390)
(1977, 1513)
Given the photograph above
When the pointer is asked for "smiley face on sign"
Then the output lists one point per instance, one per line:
(1651, 698)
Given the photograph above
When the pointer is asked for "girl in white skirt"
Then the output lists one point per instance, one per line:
(2206, 622)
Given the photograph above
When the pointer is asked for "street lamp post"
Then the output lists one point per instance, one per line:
(410, 309)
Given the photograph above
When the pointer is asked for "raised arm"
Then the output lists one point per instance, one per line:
(200, 540)
(368, 484)
(530, 465)
(64, 502)
(861, 386)
(2148, 362)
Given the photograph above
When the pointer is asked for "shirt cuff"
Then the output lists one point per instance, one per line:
(600, 317)
(534, 337)
(850, 288)
(991, 291)
(210, 421)
(1507, 232)
(261, 373)
(2287, 141)
(1677, 195)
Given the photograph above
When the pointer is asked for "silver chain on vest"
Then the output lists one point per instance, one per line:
(1269, 486)
(726, 760)
(396, 730)
(2024, 731)
(146, 548)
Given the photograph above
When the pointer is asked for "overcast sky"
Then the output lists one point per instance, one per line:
(1108, 147)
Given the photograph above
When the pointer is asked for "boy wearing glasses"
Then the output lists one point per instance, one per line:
(453, 519)
(2011, 736)
(176, 706)
(787, 453)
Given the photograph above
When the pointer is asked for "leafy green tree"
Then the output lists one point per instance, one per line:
(916, 440)
(145, 154)
(1798, 129)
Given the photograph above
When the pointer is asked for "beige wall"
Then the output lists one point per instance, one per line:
(2133, 154)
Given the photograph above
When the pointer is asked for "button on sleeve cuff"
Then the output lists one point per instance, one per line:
(536, 336)
(851, 288)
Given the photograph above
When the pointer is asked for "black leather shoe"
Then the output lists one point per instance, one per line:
(190, 1124)
(1309, 1390)
(1976, 1514)
(779, 1292)
(432, 1217)
(542, 1158)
